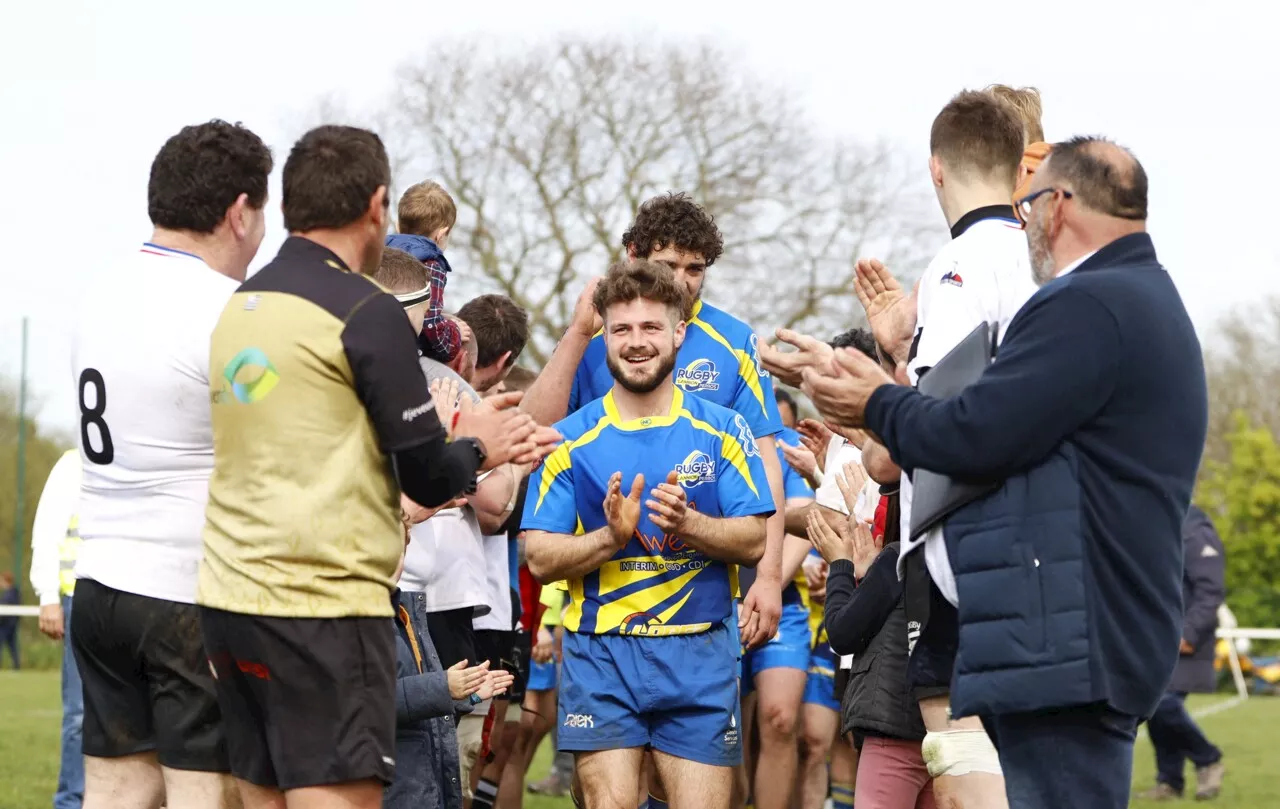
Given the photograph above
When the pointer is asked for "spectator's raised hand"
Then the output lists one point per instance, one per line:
(841, 390)
(816, 438)
(444, 393)
(788, 366)
(891, 312)
(856, 438)
(463, 681)
(802, 460)
(833, 543)
(851, 482)
(507, 434)
(495, 684)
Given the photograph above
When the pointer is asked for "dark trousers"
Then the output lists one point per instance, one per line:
(1176, 738)
(1065, 758)
(10, 642)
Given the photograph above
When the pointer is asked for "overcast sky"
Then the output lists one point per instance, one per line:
(89, 92)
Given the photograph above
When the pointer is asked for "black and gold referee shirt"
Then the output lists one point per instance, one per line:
(315, 383)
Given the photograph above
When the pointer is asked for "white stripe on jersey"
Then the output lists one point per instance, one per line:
(140, 361)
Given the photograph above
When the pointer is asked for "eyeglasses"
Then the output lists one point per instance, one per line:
(1022, 207)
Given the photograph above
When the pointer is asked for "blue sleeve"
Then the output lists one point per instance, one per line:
(582, 392)
(741, 485)
(1056, 368)
(794, 486)
(550, 505)
(753, 395)
(575, 392)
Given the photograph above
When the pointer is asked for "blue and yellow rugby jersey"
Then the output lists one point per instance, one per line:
(719, 361)
(655, 585)
(794, 486)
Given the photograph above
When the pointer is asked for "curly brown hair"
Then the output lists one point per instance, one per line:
(627, 281)
(674, 220)
(201, 171)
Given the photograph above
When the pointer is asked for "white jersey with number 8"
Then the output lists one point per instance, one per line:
(140, 363)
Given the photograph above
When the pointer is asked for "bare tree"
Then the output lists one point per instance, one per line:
(549, 152)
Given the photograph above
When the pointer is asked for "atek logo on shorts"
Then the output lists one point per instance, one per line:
(585, 721)
(696, 469)
(698, 375)
(745, 437)
(953, 278)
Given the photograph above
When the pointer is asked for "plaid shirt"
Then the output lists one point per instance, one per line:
(441, 338)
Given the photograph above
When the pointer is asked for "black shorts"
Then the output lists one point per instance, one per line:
(933, 658)
(305, 701)
(508, 651)
(147, 685)
(454, 636)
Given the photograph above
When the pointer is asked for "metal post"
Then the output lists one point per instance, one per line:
(19, 509)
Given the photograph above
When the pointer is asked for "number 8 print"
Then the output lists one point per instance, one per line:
(93, 415)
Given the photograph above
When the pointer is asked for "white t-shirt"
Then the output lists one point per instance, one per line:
(140, 361)
(57, 507)
(982, 275)
(446, 561)
(497, 564)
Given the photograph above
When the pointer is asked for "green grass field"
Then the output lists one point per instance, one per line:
(29, 725)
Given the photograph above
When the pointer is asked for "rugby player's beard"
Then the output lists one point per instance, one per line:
(666, 364)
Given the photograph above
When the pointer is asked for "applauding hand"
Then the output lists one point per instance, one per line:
(788, 365)
(623, 513)
(890, 312)
(668, 508)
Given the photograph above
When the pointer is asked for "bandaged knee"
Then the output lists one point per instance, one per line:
(959, 752)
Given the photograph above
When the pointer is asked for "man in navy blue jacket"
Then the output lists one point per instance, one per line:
(1092, 419)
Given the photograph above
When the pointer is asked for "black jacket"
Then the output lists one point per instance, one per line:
(1203, 590)
(867, 620)
(1092, 420)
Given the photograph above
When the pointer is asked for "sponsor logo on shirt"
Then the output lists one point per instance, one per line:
(744, 435)
(698, 375)
(755, 355)
(411, 413)
(250, 375)
(953, 278)
(696, 469)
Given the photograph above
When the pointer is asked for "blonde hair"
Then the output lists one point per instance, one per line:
(1026, 100)
(425, 209)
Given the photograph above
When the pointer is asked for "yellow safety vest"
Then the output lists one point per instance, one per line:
(68, 549)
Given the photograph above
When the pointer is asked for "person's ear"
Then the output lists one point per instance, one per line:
(631, 252)
(506, 360)
(935, 170)
(379, 210)
(679, 333)
(239, 215)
